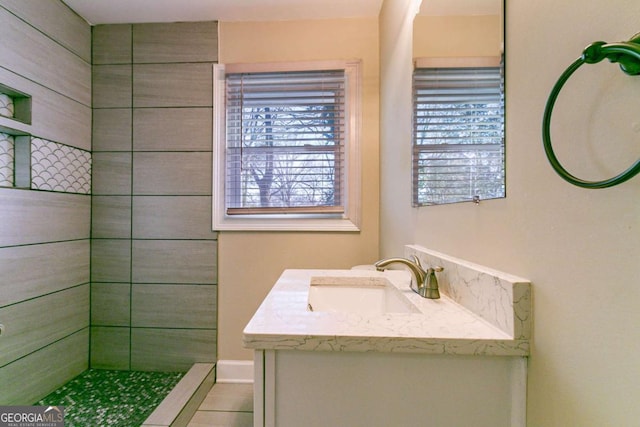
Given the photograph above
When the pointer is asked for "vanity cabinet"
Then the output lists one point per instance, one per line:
(350, 389)
(457, 361)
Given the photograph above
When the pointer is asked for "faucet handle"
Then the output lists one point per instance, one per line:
(416, 260)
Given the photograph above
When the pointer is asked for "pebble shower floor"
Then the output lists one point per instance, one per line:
(103, 398)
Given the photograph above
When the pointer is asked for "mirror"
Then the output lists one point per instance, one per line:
(458, 28)
(458, 102)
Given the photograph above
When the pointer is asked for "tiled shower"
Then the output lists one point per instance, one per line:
(153, 254)
(124, 277)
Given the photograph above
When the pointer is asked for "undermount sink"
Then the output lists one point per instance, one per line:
(362, 295)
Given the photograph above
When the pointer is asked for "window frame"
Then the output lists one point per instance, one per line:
(349, 221)
(453, 63)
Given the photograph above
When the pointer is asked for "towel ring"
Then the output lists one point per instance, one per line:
(627, 54)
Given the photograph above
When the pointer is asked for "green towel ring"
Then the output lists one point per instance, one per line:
(627, 54)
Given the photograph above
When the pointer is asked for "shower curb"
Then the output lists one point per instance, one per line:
(177, 409)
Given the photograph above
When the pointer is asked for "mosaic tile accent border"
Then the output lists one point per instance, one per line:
(6, 160)
(6, 105)
(111, 398)
(58, 167)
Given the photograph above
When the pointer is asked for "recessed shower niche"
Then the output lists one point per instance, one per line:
(14, 105)
(30, 162)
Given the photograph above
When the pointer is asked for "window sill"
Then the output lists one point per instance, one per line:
(284, 224)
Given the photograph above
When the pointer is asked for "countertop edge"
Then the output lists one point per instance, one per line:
(475, 347)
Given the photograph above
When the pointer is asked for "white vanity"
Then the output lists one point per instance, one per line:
(386, 356)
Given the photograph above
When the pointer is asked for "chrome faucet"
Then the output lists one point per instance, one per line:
(426, 282)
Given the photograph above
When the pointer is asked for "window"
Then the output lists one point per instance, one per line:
(286, 147)
(458, 131)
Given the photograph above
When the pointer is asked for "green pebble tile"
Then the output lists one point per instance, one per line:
(103, 398)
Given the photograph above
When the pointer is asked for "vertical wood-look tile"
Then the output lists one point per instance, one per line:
(111, 173)
(172, 173)
(172, 85)
(38, 322)
(111, 217)
(110, 260)
(172, 217)
(110, 347)
(175, 261)
(56, 20)
(27, 52)
(171, 349)
(111, 86)
(112, 129)
(34, 270)
(111, 44)
(33, 377)
(172, 129)
(175, 42)
(174, 306)
(110, 304)
(40, 216)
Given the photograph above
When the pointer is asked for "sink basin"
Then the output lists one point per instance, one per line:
(363, 295)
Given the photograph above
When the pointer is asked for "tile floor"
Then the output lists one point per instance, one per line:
(226, 405)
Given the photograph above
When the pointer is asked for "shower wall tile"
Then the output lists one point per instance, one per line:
(53, 116)
(111, 44)
(41, 372)
(44, 235)
(174, 306)
(110, 304)
(34, 324)
(111, 217)
(110, 260)
(64, 121)
(111, 86)
(57, 21)
(175, 42)
(172, 129)
(112, 129)
(6, 160)
(172, 85)
(26, 52)
(151, 229)
(172, 173)
(172, 217)
(110, 347)
(111, 173)
(38, 216)
(171, 349)
(175, 261)
(60, 266)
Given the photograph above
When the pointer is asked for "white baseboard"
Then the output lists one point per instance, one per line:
(234, 371)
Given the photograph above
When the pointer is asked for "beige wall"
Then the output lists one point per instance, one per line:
(250, 262)
(579, 247)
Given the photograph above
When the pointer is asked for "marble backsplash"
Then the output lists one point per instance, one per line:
(502, 299)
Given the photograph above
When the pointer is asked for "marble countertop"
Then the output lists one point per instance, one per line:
(283, 322)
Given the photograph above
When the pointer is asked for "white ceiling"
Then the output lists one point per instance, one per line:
(136, 11)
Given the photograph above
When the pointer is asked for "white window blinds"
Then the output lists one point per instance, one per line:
(285, 142)
(458, 134)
